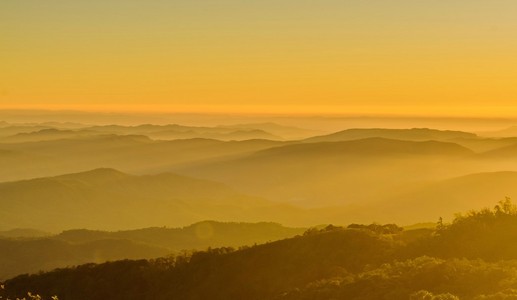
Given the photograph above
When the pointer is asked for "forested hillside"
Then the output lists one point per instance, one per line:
(472, 258)
(22, 254)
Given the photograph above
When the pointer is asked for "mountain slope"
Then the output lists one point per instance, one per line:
(446, 197)
(503, 153)
(34, 255)
(474, 258)
(336, 173)
(109, 199)
(74, 247)
(129, 153)
(259, 272)
(369, 146)
(196, 236)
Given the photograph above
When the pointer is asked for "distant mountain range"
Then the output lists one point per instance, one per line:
(130, 153)
(48, 131)
(414, 134)
(337, 173)
(328, 178)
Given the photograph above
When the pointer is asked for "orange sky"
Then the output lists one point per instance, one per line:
(450, 57)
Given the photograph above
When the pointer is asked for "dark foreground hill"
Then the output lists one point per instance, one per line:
(18, 256)
(474, 258)
(74, 247)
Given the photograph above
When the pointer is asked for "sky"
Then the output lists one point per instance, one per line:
(415, 57)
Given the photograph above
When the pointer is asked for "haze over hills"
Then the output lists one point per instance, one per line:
(338, 179)
(287, 132)
(507, 152)
(444, 197)
(50, 131)
(8, 130)
(506, 132)
(200, 235)
(370, 146)
(258, 150)
(482, 145)
(108, 199)
(352, 176)
(414, 134)
(305, 173)
(337, 173)
(47, 134)
(174, 131)
(130, 153)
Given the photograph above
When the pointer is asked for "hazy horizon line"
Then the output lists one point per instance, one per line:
(295, 114)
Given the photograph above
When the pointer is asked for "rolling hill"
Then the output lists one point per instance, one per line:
(472, 258)
(47, 134)
(19, 256)
(445, 197)
(109, 199)
(73, 247)
(508, 152)
(129, 153)
(200, 235)
(286, 132)
(337, 173)
(175, 131)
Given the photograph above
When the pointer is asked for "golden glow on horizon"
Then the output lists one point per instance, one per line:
(342, 57)
(286, 110)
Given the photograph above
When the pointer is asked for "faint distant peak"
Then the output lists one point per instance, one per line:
(378, 146)
(284, 131)
(52, 130)
(411, 134)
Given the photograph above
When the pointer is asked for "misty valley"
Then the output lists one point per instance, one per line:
(256, 211)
